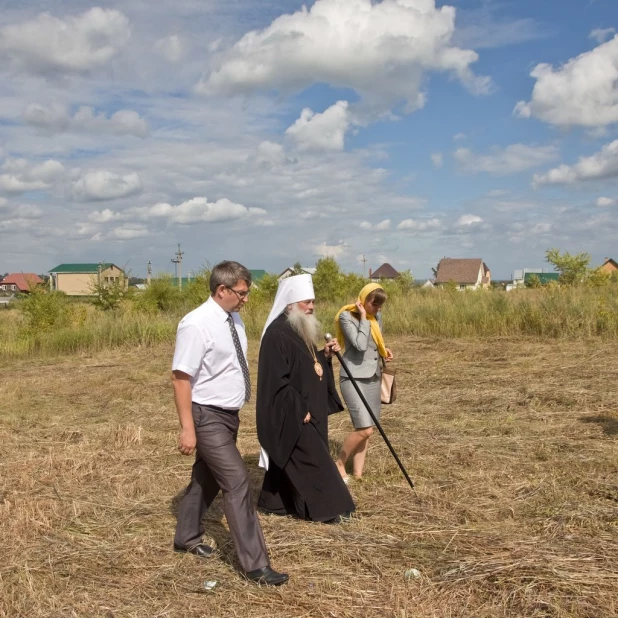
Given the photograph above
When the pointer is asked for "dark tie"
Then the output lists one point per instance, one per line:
(241, 358)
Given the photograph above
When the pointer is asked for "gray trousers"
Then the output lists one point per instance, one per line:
(218, 465)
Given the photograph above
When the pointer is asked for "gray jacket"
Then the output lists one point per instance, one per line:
(361, 353)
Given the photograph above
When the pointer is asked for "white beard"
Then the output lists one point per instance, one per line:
(305, 325)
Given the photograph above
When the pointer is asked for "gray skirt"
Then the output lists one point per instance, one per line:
(370, 388)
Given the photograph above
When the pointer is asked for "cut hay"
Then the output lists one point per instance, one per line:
(512, 445)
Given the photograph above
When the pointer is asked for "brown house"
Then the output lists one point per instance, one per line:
(609, 266)
(20, 282)
(386, 271)
(466, 273)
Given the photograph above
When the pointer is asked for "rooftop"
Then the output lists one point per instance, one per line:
(459, 270)
(80, 268)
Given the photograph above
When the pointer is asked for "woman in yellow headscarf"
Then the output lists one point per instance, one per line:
(359, 332)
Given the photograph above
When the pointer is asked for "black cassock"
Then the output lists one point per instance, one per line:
(302, 478)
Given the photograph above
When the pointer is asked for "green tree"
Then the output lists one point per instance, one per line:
(405, 281)
(534, 281)
(573, 269)
(267, 287)
(351, 285)
(598, 278)
(327, 280)
(297, 269)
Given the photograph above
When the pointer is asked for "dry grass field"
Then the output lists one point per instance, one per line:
(512, 445)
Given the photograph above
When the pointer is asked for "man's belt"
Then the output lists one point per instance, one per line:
(217, 408)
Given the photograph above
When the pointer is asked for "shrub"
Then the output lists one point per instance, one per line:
(44, 310)
(160, 295)
(109, 296)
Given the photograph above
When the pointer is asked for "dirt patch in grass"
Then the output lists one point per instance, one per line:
(512, 445)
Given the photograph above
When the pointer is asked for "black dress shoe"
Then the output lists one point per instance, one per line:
(267, 576)
(340, 519)
(201, 550)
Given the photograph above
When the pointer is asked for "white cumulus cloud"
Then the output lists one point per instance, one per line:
(269, 155)
(540, 228)
(56, 119)
(19, 211)
(173, 47)
(437, 159)
(600, 35)
(420, 225)
(383, 225)
(380, 227)
(599, 166)
(334, 251)
(20, 176)
(604, 202)
(128, 233)
(74, 44)
(196, 210)
(510, 160)
(381, 50)
(325, 131)
(583, 92)
(468, 220)
(104, 216)
(102, 185)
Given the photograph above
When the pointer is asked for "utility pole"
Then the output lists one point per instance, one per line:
(149, 275)
(178, 261)
(364, 261)
(99, 278)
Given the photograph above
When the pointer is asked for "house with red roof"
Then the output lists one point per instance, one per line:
(20, 282)
(609, 266)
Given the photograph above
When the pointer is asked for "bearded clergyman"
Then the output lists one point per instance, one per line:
(295, 395)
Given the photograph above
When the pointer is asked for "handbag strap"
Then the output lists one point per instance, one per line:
(387, 369)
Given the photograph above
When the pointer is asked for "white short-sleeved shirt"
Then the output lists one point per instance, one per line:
(205, 351)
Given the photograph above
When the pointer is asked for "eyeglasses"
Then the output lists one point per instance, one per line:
(241, 294)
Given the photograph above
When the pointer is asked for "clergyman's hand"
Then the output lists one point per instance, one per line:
(330, 348)
(187, 441)
(307, 418)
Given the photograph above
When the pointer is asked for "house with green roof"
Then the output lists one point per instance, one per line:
(81, 279)
(257, 276)
(543, 278)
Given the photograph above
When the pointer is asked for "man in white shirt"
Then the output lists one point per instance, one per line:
(211, 383)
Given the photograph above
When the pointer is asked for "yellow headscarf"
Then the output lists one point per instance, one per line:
(375, 327)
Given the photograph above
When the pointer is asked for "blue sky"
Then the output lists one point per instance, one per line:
(262, 131)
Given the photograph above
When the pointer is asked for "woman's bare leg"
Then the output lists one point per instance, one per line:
(358, 459)
(355, 441)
